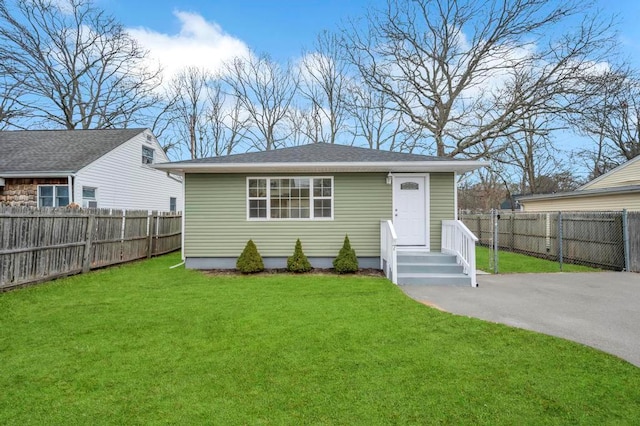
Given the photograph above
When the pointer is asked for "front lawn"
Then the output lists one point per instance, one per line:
(145, 344)
(509, 263)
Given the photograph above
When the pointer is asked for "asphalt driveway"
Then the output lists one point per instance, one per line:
(599, 309)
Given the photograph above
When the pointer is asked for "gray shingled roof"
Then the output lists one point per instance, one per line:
(580, 193)
(315, 153)
(57, 150)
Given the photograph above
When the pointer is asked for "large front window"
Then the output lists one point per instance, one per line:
(53, 195)
(290, 198)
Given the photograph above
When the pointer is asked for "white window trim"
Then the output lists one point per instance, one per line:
(95, 191)
(55, 193)
(153, 156)
(292, 219)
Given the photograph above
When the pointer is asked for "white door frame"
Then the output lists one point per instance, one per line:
(427, 196)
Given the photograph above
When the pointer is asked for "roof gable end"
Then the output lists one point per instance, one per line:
(603, 180)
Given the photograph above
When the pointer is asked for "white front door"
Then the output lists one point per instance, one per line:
(410, 210)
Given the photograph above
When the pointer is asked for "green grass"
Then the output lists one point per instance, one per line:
(509, 263)
(143, 344)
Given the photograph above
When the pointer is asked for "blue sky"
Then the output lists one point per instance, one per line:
(205, 33)
(282, 28)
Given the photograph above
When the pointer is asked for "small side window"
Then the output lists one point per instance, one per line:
(147, 155)
(172, 204)
(89, 199)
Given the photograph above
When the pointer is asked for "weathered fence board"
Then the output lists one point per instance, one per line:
(41, 244)
(633, 219)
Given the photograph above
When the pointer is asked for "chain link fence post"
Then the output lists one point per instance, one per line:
(560, 239)
(495, 240)
(625, 240)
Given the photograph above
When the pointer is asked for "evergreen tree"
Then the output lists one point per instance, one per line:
(250, 260)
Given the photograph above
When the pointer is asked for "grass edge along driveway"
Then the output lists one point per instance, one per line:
(144, 344)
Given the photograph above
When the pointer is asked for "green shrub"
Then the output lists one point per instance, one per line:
(298, 262)
(347, 261)
(250, 260)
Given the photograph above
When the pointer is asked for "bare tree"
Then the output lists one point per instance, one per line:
(610, 116)
(188, 94)
(304, 125)
(77, 66)
(528, 154)
(323, 84)
(200, 117)
(226, 119)
(483, 191)
(265, 91)
(378, 123)
(465, 71)
(10, 112)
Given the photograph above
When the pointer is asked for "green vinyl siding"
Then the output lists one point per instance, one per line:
(216, 222)
(442, 205)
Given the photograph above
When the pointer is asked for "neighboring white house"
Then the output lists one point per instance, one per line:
(109, 168)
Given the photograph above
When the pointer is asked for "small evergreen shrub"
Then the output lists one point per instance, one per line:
(347, 261)
(250, 260)
(298, 262)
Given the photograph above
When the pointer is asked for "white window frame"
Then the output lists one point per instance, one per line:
(55, 194)
(297, 219)
(146, 159)
(175, 204)
(86, 201)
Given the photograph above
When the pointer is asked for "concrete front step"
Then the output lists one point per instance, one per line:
(430, 268)
(425, 258)
(434, 279)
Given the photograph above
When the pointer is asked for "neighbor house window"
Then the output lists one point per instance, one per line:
(290, 198)
(53, 195)
(147, 155)
(172, 204)
(89, 199)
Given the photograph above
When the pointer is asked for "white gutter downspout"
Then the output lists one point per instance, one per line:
(184, 214)
(455, 195)
(70, 186)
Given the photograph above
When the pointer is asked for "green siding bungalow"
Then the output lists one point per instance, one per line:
(318, 193)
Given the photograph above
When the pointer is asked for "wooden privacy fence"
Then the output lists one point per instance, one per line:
(42, 244)
(609, 240)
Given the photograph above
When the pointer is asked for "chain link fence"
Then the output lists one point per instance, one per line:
(597, 239)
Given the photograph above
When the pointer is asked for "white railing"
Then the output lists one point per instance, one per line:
(459, 241)
(388, 252)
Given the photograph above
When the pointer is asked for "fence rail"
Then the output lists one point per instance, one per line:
(42, 244)
(608, 240)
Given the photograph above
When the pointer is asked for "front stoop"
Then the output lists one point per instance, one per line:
(429, 268)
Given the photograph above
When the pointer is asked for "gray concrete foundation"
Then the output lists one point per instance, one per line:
(273, 262)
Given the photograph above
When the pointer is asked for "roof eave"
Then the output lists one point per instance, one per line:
(578, 194)
(39, 174)
(328, 167)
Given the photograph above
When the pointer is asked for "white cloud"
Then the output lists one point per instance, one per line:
(200, 43)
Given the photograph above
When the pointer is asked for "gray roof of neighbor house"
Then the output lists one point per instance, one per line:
(580, 193)
(320, 157)
(25, 152)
